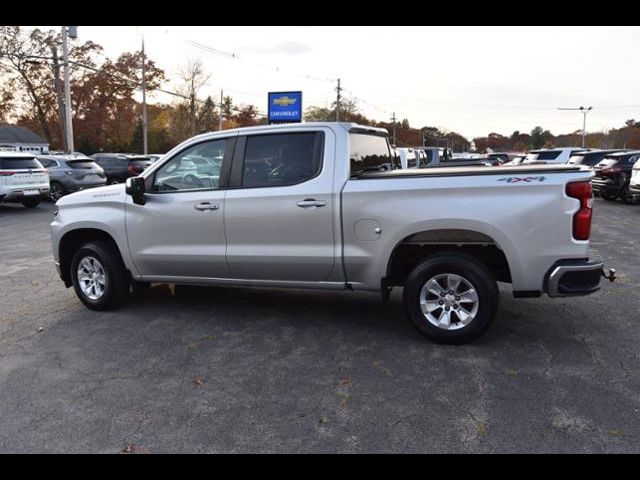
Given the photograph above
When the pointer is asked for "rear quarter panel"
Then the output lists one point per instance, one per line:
(530, 221)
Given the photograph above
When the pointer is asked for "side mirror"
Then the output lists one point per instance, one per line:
(135, 187)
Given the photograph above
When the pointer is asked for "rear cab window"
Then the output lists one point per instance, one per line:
(370, 152)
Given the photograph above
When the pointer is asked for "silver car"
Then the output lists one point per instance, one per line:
(72, 173)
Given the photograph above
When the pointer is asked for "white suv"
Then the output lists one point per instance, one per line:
(23, 179)
(634, 184)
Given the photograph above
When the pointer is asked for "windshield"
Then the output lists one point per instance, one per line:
(370, 152)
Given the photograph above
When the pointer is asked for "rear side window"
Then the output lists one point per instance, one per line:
(282, 159)
(19, 164)
(370, 153)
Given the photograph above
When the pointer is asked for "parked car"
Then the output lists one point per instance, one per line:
(22, 179)
(551, 155)
(71, 173)
(589, 158)
(309, 206)
(634, 183)
(120, 166)
(613, 175)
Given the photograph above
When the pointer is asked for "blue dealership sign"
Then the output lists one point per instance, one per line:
(285, 107)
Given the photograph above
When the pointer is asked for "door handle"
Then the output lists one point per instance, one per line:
(203, 207)
(310, 203)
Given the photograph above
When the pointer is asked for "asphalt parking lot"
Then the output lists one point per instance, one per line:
(249, 370)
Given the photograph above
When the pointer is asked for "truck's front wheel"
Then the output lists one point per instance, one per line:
(451, 298)
(99, 276)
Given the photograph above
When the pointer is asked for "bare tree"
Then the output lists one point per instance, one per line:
(194, 78)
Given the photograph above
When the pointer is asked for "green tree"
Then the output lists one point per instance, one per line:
(540, 138)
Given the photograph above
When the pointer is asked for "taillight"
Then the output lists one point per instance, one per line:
(582, 219)
(134, 169)
(6, 173)
(611, 171)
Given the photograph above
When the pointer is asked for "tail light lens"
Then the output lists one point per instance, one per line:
(6, 173)
(134, 169)
(582, 219)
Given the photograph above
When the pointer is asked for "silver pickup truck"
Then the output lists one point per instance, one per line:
(316, 206)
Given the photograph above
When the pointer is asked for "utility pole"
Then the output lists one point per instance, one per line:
(221, 113)
(59, 95)
(393, 119)
(338, 98)
(145, 140)
(584, 111)
(68, 32)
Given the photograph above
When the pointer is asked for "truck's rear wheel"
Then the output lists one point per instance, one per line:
(99, 276)
(451, 298)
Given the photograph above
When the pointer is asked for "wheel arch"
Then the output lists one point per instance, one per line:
(479, 240)
(71, 241)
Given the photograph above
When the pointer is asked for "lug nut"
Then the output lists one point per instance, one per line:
(441, 302)
(447, 308)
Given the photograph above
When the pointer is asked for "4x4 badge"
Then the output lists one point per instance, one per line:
(522, 179)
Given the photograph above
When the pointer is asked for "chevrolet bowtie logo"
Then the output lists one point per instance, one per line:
(284, 101)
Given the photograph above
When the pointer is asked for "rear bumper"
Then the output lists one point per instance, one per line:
(18, 196)
(571, 278)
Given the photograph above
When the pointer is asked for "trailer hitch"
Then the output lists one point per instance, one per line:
(611, 276)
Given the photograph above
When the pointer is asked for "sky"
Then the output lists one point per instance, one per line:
(473, 80)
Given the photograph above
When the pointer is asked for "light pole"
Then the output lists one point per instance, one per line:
(584, 111)
(67, 32)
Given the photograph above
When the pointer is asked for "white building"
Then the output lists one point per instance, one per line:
(21, 139)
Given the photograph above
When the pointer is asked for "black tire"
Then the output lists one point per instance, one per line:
(608, 197)
(56, 191)
(117, 282)
(31, 203)
(474, 273)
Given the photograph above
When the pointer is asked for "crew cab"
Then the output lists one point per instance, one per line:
(315, 206)
(551, 155)
(22, 179)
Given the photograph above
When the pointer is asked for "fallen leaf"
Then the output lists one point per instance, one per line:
(345, 381)
(323, 420)
(511, 372)
(198, 381)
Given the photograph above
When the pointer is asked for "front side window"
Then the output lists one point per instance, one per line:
(370, 152)
(282, 159)
(183, 173)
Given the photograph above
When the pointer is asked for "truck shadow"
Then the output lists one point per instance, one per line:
(295, 308)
